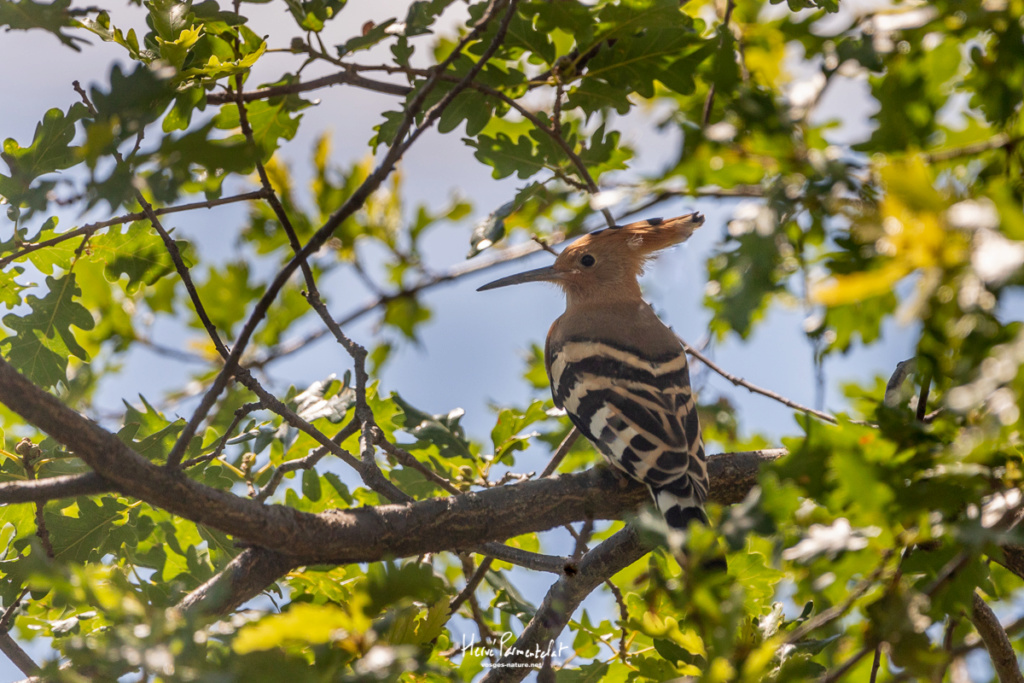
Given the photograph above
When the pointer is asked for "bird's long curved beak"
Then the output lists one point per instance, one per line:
(546, 274)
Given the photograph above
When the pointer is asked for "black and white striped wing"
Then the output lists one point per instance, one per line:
(640, 414)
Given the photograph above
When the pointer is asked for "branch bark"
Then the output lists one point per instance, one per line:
(53, 488)
(10, 647)
(612, 556)
(1000, 651)
(344, 536)
(244, 578)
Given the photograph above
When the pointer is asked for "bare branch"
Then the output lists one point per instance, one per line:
(709, 103)
(556, 135)
(472, 582)
(739, 381)
(240, 415)
(409, 460)
(1002, 140)
(552, 564)
(1000, 650)
(244, 578)
(612, 556)
(88, 230)
(509, 254)
(403, 140)
(845, 667)
(310, 461)
(346, 77)
(53, 488)
(30, 453)
(563, 449)
(10, 647)
(464, 522)
(837, 611)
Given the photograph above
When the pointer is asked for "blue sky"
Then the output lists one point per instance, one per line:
(470, 353)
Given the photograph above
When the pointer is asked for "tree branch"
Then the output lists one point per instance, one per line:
(709, 103)
(346, 77)
(740, 382)
(1000, 650)
(509, 254)
(465, 522)
(1002, 140)
(87, 230)
(607, 559)
(244, 578)
(403, 140)
(53, 488)
(563, 450)
(10, 647)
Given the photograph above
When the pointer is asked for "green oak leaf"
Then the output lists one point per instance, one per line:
(43, 340)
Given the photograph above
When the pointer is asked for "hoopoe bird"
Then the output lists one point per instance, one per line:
(618, 371)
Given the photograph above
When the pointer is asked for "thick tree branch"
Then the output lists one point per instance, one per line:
(365, 534)
(14, 652)
(607, 559)
(1000, 650)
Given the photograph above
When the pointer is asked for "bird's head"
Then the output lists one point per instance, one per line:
(605, 264)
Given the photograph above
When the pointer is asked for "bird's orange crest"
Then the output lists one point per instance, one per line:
(607, 262)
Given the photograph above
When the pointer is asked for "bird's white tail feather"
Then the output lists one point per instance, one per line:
(679, 511)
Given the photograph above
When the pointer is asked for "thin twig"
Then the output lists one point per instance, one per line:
(1002, 140)
(739, 381)
(368, 468)
(409, 460)
(185, 438)
(405, 136)
(268, 189)
(346, 77)
(88, 230)
(582, 538)
(709, 102)
(509, 254)
(12, 609)
(30, 453)
(563, 449)
(837, 611)
(922, 399)
(845, 667)
(310, 461)
(946, 574)
(472, 582)
(876, 662)
(623, 618)
(556, 136)
(240, 414)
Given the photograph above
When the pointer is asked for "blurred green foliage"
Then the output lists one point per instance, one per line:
(887, 526)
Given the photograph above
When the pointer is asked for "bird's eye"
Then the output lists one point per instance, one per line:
(588, 260)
